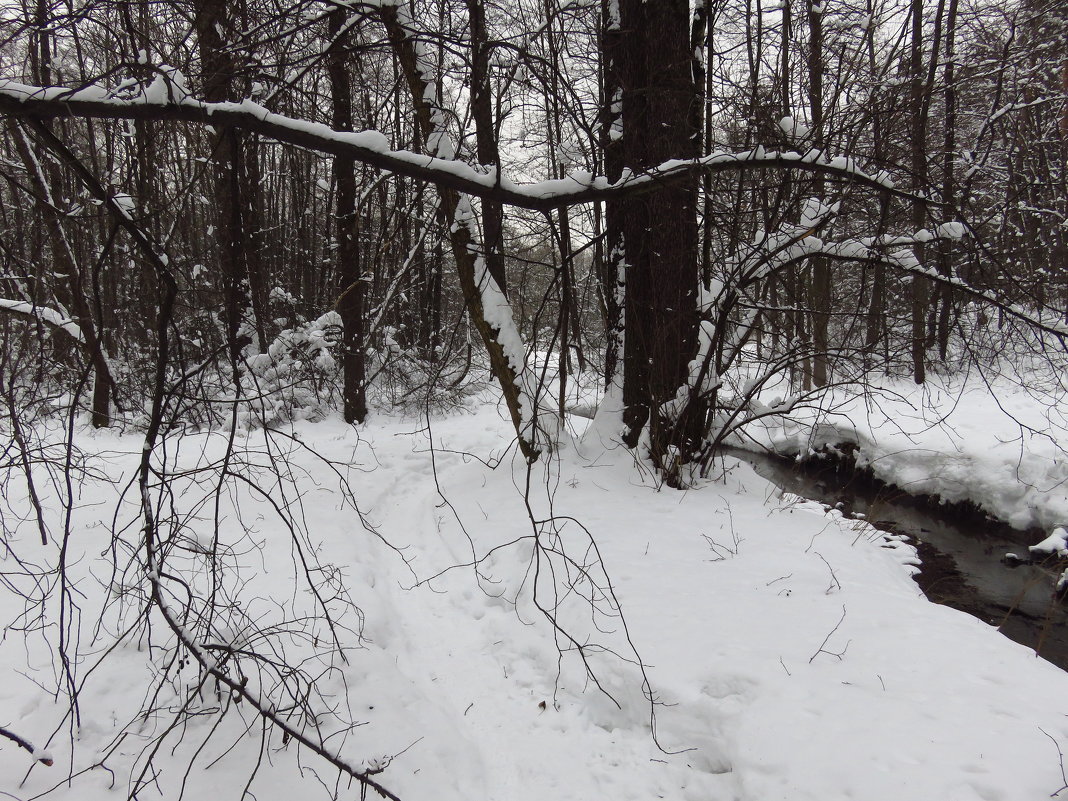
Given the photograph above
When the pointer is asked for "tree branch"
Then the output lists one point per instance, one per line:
(41, 756)
(43, 314)
(165, 100)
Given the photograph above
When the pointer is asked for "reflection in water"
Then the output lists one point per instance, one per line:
(963, 561)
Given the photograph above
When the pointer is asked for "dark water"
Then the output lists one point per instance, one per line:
(963, 563)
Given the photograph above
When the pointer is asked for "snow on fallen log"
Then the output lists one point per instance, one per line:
(1055, 543)
(43, 314)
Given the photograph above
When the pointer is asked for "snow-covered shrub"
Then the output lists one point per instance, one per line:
(297, 378)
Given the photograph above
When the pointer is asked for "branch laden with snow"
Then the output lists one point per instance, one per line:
(44, 315)
(166, 100)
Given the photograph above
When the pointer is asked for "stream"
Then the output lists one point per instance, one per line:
(963, 563)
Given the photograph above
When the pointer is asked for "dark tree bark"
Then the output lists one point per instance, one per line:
(568, 330)
(610, 256)
(75, 292)
(486, 139)
(218, 66)
(72, 290)
(351, 286)
(918, 152)
(874, 325)
(949, 186)
(660, 230)
(820, 286)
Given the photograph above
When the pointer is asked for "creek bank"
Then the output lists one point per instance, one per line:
(840, 462)
(961, 548)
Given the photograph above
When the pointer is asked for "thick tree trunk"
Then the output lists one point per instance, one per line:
(702, 32)
(218, 70)
(611, 260)
(659, 230)
(351, 287)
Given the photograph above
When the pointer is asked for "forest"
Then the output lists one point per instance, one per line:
(678, 225)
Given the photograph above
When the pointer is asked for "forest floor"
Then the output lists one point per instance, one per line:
(789, 653)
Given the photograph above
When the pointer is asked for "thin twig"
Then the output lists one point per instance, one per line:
(1060, 755)
(830, 634)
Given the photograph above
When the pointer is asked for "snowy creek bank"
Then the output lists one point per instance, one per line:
(962, 550)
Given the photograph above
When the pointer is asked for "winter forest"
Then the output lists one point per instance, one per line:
(394, 396)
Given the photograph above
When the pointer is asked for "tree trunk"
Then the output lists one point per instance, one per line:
(949, 187)
(351, 287)
(660, 229)
(458, 212)
(611, 264)
(486, 140)
(70, 292)
(874, 326)
(820, 286)
(218, 70)
(919, 178)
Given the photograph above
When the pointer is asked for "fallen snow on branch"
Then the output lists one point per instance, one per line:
(48, 316)
(1055, 543)
(168, 91)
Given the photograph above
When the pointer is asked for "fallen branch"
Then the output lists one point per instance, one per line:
(41, 756)
(822, 650)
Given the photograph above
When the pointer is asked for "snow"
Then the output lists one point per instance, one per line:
(168, 88)
(1001, 448)
(789, 651)
(794, 128)
(951, 230)
(46, 315)
(1055, 543)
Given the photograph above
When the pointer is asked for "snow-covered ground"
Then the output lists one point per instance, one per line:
(788, 651)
